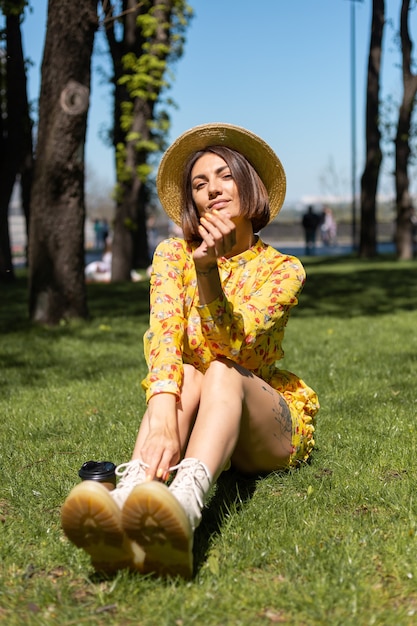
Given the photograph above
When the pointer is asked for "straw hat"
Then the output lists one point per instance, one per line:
(170, 173)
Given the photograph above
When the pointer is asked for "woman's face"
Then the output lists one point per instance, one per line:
(213, 187)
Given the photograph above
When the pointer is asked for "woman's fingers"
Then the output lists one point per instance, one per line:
(218, 221)
(218, 231)
(160, 459)
(160, 468)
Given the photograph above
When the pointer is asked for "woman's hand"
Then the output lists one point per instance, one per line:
(161, 448)
(218, 233)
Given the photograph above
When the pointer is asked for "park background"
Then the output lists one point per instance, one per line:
(293, 73)
(332, 544)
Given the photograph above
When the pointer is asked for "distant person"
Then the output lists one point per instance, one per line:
(97, 234)
(328, 227)
(100, 271)
(310, 222)
(220, 301)
(105, 232)
(101, 232)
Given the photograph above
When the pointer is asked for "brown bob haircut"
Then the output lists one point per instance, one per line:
(254, 201)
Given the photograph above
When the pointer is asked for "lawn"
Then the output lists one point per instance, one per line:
(332, 543)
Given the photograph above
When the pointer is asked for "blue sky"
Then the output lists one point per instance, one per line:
(282, 70)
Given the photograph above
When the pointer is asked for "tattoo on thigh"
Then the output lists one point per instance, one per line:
(281, 413)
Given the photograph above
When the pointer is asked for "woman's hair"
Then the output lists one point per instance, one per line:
(254, 201)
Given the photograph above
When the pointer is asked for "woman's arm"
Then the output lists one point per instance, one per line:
(259, 305)
(218, 238)
(158, 442)
(163, 341)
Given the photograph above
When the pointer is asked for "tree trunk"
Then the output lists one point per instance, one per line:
(56, 248)
(15, 136)
(130, 219)
(130, 244)
(404, 225)
(369, 180)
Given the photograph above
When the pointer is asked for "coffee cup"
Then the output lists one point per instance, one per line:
(101, 471)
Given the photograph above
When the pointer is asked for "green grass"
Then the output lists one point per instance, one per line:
(332, 543)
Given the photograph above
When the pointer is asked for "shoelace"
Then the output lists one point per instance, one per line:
(184, 463)
(130, 472)
(188, 480)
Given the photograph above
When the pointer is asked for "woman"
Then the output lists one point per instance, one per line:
(220, 300)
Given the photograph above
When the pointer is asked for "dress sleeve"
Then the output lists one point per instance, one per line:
(164, 338)
(235, 325)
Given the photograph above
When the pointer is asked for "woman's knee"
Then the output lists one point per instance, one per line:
(224, 374)
(191, 374)
(222, 365)
(192, 380)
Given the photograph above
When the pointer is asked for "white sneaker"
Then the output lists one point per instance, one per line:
(155, 521)
(190, 487)
(131, 474)
(92, 521)
(162, 520)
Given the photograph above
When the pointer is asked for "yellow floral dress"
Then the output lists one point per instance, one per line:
(245, 324)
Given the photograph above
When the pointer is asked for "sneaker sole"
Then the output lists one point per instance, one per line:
(154, 519)
(92, 521)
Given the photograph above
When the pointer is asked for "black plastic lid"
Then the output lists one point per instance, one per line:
(97, 470)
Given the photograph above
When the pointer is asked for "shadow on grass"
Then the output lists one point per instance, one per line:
(13, 304)
(118, 299)
(339, 286)
(232, 491)
(348, 287)
(104, 300)
(79, 350)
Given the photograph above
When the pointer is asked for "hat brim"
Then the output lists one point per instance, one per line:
(259, 154)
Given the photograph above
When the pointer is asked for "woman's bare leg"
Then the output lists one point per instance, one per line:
(231, 414)
(240, 417)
